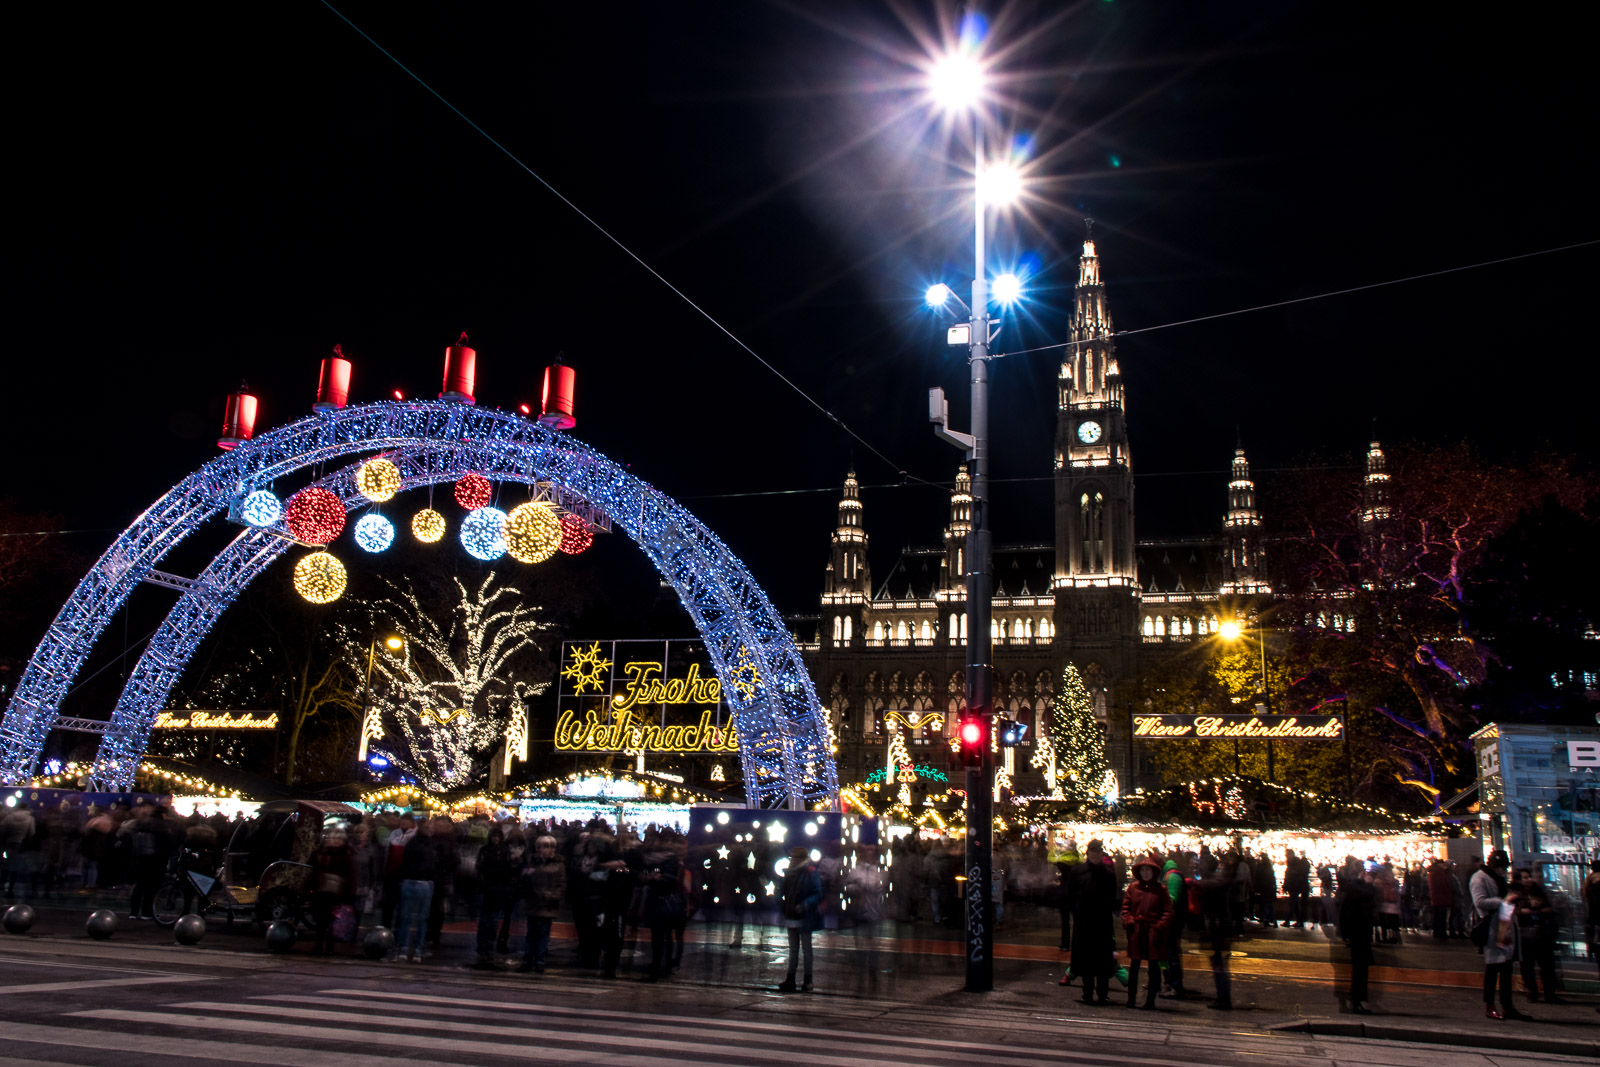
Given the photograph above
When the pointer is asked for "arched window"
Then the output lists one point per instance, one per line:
(1027, 629)
(1338, 622)
(955, 627)
(927, 630)
(1188, 626)
(1047, 629)
(877, 631)
(1149, 626)
(838, 629)
(848, 624)
(1161, 626)
(901, 631)
(997, 631)
(963, 626)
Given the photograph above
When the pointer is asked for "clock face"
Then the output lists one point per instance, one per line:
(1089, 432)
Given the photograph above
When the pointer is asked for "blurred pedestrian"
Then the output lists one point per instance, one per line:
(801, 898)
(419, 864)
(866, 885)
(1591, 903)
(1358, 903)
(545, 883)
(1216, 892)
(16, 830)
(1441, 897)
(1146, 917)
(497, 892)
(1064, 860)
(1265, 885)
(1297, 885)
(664, 903)
(150, 844)
(1177, 887)
(333, 884)
(1093, 892)
(1539, 930)
(96, 840)
(1495, 901)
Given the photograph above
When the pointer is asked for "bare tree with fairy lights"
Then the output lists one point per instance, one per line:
(438, 708)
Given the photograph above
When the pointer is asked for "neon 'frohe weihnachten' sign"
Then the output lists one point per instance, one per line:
(1238, 727)
(641, 696)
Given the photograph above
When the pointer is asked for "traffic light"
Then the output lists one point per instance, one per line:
(1011, 733)
(973, 733)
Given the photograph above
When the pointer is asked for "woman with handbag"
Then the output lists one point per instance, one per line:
(333, 880)
(1496, 933)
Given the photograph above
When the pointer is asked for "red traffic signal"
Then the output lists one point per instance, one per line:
(973, 736)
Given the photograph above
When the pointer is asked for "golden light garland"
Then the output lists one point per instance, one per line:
(320, 577)
(428, 526)
(378, 480)
(533, 532)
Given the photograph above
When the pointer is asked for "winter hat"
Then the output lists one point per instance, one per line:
(799, 853)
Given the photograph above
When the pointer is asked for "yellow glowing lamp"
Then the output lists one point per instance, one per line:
(428, 526)
(533, 532)
(319, 577)
(378, 480)
(1230, 630)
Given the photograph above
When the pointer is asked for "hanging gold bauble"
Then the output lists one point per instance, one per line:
(319, 577)
(378, 480)
(533, 532)
(428, 526)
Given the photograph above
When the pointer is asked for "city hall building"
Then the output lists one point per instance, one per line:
(890, 657)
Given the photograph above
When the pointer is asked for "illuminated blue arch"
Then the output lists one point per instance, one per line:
(784, 738)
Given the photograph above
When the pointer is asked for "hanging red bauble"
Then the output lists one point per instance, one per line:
(575, 535)
(314, 516)
(474, 492)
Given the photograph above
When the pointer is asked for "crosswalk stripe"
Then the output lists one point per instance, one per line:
(784, 1035)
(197, 1048)
(605, 1047)
(52, 987)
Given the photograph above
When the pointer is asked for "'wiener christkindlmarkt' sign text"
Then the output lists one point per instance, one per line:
(1238, 727)
(642, 696)
(216, 720)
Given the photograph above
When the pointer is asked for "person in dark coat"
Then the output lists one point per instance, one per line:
(1146, 917)
(1441, 897)
(497, 888)
(1358, 909)
(1216, 892)
(333, 884)
(1265, 890)
(661, 875)
(1297, 886)
(152, 844)
(801, 899)
(1092, 888)
(545, 882)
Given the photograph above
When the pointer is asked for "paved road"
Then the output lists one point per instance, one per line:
(141, 999)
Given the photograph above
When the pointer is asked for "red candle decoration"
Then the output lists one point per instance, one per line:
(575, 535)
(474, 491)
(314, 516)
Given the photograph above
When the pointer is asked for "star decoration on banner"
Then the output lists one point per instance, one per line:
(722, 853)
(587, 668)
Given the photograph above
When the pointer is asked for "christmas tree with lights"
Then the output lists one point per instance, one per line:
(1080, 750)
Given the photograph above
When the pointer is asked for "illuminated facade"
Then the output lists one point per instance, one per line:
(883, 657)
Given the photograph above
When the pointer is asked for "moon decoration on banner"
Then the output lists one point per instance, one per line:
(483, 533)
(261, 508)
(533, 532)
(428, 526)
(474, 492)
(374, 532)
(575, 535)
(319, 577)
(378, 480)
(315, 515)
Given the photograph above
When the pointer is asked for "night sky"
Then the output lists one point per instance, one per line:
(209, 193)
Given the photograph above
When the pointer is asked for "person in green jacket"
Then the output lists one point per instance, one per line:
(1178, 892)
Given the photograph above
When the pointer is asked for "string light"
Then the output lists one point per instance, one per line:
(319, 577)
(374, 532)
(378, 480)
(428, 526)
(473, 491)
(532, 532)
(261, 508)
(576, 535)
(483, 534)
(315, 515)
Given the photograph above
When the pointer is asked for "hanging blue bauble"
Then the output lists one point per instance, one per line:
(374, 532)
(483, 534)
(261, 508)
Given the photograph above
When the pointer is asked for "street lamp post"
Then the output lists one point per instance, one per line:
(393, 644)
(1232, 631)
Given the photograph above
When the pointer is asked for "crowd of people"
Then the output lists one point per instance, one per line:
(413, 874)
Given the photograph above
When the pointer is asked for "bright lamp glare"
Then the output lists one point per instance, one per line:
(1000, 184)
(1229, 631)
(956, 81)
(1008, 289)
(937, 294)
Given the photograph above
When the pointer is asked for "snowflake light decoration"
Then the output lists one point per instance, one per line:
(374, 532)
(428, 526)
(483, 534)
(319, 577)
(315, 515)
(261, 508)
(532, 532)
(473, 491)
(587, 667)
(378, 480)
(575, 535)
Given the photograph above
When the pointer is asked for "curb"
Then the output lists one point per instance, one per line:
(1380, 1032)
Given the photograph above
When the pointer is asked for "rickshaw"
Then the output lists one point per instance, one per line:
(266, 868)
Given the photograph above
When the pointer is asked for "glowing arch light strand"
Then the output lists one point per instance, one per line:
(532, 532)
(315, 515)
(320, 577)
(428, 526)
(483, 534)
(374, 533)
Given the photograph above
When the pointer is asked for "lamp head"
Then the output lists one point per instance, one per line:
(1007, 288)
(956, 80)
(1230, 630)
(393, 643)
(938, 295)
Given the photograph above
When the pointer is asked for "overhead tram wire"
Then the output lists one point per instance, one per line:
(830, 416)
(1306, 299)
